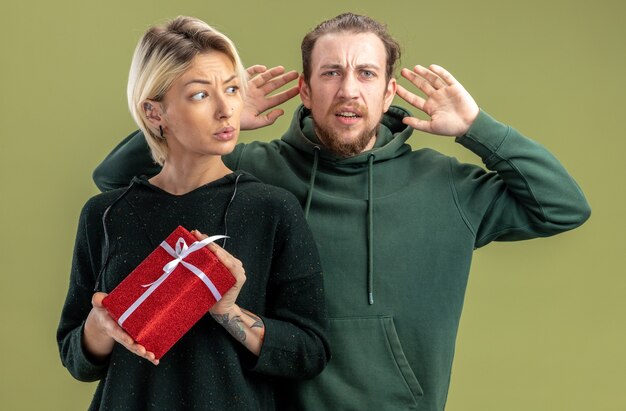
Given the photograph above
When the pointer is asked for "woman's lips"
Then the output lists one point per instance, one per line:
(225, 134)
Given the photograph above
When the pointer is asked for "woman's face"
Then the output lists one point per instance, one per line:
(202, 108)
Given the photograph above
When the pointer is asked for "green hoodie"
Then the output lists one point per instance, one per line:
(396, 229)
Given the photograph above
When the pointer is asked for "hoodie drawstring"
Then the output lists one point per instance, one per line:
(370, 216)
(228, 207)
(370, 230)
(309, 196)
(107, 245)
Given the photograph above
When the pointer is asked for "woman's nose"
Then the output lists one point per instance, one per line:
(223, 110)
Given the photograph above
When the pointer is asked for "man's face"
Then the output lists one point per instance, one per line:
(347, 92)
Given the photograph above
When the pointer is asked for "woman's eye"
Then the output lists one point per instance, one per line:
(232, 89)
(199, 96)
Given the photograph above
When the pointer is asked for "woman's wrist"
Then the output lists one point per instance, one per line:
(244, 326)
(97, 344)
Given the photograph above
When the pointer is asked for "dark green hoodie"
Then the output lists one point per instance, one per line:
(396, 229)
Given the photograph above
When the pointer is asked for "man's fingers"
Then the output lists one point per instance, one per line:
(414, 100)
(277, 82)
(273, 79)
(431, 77)
(418, 124)
(256, 69)
(443, 74)
(271, 117)
(279, 98)
(266, 75)
(419, 81)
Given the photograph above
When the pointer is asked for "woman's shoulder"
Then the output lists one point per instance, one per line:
(98, 203)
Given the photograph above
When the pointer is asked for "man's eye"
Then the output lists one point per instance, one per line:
(330, 73)
(368, 74)
(199, 96)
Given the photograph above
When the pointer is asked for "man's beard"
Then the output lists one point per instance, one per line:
(332, 141)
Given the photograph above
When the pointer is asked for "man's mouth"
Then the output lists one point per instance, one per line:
(347, 114)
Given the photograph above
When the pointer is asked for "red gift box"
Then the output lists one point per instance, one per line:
(161, 299)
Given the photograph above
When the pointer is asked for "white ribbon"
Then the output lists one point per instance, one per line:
(179, 254)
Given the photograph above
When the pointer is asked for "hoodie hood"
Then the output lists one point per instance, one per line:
(390, 140)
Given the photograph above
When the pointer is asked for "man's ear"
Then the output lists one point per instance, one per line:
(153, 112)
(305, 92)
(390, 92)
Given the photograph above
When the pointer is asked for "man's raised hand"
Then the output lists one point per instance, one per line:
(262, 82)
(451, 108)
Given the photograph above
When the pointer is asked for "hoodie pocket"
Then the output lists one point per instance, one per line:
(368, 370)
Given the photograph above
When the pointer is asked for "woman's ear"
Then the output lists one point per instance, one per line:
(152, 111)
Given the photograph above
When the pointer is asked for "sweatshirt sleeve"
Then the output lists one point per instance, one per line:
(77, 306)
(130, 158)
(295, 344)
(527, 193)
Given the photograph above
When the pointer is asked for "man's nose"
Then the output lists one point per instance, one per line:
(349, 87)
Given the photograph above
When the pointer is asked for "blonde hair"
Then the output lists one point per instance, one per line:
(164, 53)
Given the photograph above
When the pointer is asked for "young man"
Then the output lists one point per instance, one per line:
(395, 228)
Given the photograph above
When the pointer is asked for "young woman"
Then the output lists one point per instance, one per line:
(185, 91)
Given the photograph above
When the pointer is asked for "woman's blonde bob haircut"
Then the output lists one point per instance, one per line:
(162, 55)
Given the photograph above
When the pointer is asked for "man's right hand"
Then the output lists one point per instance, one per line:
(101, 332)
(261, 83)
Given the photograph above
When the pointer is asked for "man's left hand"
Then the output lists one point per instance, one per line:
(451, 108)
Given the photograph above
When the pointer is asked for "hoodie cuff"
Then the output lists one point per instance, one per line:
(265, 363)
(485, 136)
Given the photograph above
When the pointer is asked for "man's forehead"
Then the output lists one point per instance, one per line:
(349, 47)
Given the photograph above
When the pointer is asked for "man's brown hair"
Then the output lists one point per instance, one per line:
(352, 23)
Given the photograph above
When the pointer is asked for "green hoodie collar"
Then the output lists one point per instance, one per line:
(390, 141)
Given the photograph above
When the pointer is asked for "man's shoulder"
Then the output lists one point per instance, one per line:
(429, 157)
(259, 148)
(428, 163)
(263, 160)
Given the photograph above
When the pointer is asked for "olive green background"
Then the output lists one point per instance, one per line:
(543, 326)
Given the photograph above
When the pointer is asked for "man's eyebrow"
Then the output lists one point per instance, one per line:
(204, 81)
(368, 66)
(359, 66)
(332, 66)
